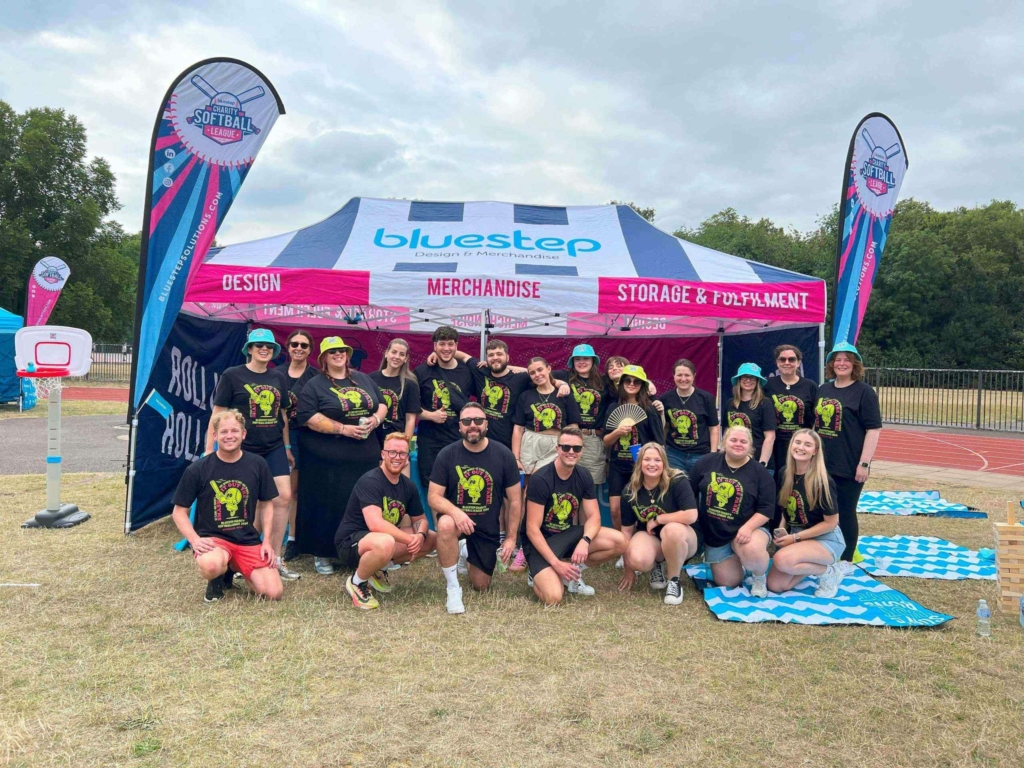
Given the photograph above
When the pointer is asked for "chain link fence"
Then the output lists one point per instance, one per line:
(950, 397)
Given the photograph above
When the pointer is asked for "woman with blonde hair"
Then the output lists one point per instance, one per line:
(751, 409)
(807, 507)
(401, 391)
(735, 504)
(658, 512)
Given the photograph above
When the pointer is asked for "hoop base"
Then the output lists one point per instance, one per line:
(68, 516)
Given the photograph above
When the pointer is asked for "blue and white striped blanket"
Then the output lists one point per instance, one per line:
(861, 600)
(924, 557)
(912, 503)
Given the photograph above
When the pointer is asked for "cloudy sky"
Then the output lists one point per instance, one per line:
(686, 107)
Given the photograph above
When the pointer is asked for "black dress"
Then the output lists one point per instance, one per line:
(331, 464)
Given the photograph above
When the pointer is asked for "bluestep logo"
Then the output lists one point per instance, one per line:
(223, 120)
(875, 170)
(516, 240)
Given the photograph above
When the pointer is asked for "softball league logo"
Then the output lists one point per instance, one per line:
(223, 120)
(51, 273)
(875, 169)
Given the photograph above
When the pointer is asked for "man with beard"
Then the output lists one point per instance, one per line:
(468, 484)
(445, 387)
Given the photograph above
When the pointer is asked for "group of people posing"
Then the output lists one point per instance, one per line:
(511, 459)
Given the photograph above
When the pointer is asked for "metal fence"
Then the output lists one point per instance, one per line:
(110, 362)
(950, 397)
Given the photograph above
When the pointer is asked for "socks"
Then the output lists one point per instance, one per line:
(451, 576)
(291, 538)
(356, 580)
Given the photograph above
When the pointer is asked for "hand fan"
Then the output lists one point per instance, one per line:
(626, 415)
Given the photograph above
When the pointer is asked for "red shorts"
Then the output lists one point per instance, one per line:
(244, 559)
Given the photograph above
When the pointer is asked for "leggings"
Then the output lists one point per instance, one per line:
(848, 491)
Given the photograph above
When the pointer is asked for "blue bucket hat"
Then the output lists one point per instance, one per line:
(261, 336)
(843, 346)
(749, 369)
(584, 350)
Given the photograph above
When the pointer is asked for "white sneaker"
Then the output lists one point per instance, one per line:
(845, 567)
(393, 566)
(759, 585)
(674, 592)
(286, 573)
(323, 566)
(828, 582)
(658, 576)
(580, 587)
(463, 565)
(529, 581)
(454, 603)
(620, 563)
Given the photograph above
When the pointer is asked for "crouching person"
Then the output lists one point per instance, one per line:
(383, 523)
(563, 521)
(230, 487)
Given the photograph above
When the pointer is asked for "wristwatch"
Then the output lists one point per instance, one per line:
(866, 464)
(587, 539)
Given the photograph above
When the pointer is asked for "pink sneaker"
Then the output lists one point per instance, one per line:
(519, 561)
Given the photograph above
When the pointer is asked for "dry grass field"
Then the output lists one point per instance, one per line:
(952, 407)
(115, 660)
(67, 408)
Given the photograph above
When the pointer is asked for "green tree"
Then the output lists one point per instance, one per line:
(56, 201)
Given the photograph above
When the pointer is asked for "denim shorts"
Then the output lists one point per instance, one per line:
(680, 460)
(833, 541)
(714, 555)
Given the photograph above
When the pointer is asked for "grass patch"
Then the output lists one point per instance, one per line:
(67, 408)
(116, 660)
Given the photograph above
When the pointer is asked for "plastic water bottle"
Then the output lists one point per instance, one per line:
(984, 619)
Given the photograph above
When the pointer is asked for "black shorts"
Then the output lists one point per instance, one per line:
(617, 480)
(425, 455)
(562, 544)
(348, 550)
(277, 459)
(481, 550)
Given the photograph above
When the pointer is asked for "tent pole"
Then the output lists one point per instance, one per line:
(483, 334)
(821, 354)
(131, 473)
(721, 351)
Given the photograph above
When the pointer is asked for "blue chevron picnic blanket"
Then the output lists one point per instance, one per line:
(924, 557)
(861, 600)
(912, 503)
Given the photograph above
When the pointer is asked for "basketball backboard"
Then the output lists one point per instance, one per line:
(47, 347)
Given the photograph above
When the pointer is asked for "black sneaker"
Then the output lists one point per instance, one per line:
(291, 551)
(674, 592)
(228, 580)
(214, 590)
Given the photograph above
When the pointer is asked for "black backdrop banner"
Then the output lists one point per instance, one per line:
(760, 347)
(171, 431)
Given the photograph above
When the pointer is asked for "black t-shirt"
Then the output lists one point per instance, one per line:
(260, 397)
(225, 495)
(688, 420)
(727, 498)
(842, 417)
(797, 511)
(294, 389)
(592, 402)
(400, 402)
(375, 490)
(476, 482)
(536, 412)
(447, 388)
(345, 401)
(498, 396)
(644, 508)
(650, 430)
(758, 420)
(794, 406)
(562, 499)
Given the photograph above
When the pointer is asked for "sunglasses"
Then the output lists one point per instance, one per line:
(298, 345)
(787, 359)
(627, 380)
(566, 448)
(396, 454)
(476, 421)
(337, 351)
(262, 345)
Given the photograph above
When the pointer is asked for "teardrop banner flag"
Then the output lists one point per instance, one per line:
(44, 286)
(875, 166)
(212, 124)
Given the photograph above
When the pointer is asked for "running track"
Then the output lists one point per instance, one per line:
(1003, 455)
(955, 450)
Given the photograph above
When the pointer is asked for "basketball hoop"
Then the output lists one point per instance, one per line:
(45, 380)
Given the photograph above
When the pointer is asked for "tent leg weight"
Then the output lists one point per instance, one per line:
(68, 516)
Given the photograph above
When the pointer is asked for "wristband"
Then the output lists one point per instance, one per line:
(287, 447)
(588, 540)
(423, 534)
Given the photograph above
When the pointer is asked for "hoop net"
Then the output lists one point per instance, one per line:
(46, 381)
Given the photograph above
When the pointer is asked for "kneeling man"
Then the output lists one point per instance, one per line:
(230, 488)
(468, 484)
(564, 521)
(383, 523)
